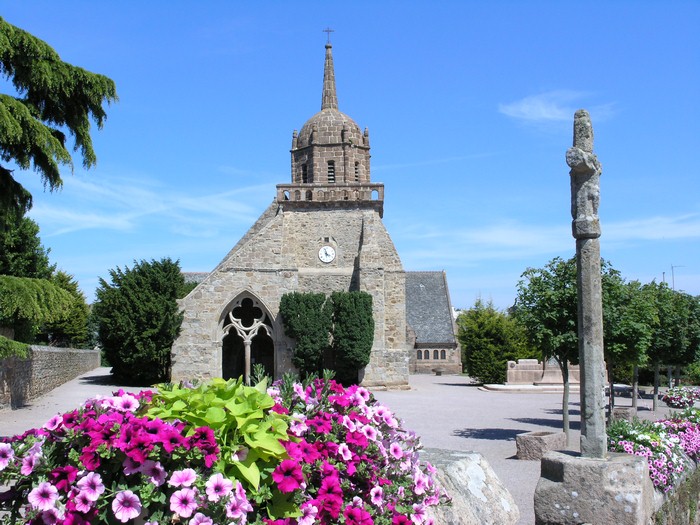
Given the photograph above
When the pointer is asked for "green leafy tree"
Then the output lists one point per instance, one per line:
(353, 334)
(51, 98)
(27, 303)
(138, 319)
(21, 251)
(629, 319)
(489, 339)
(72, 331)
(307, 320)
(546, 305)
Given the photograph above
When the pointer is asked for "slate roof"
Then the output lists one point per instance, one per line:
(428, 307)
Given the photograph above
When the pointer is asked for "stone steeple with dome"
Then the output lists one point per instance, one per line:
(330, 158)
(322, 233)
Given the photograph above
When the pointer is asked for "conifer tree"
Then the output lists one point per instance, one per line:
(138, 319)
(51, 97)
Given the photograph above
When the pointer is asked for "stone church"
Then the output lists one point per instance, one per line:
(323, 232)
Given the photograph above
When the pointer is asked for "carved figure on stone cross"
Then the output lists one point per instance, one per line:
(585, 179)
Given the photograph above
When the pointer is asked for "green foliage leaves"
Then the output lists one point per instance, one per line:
(248, 433)
(353, 333)
(138, 319)
(52, 96)
(10, 348)
(546, 305)
(307, 319)
(21, 251)
(71, 331)
(489, 339)
(35, 300)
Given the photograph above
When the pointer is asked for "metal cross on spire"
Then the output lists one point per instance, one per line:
(329, 31)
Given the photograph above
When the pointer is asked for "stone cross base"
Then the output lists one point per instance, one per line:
(574, 490)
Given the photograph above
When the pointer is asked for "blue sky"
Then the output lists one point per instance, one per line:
(470, 109)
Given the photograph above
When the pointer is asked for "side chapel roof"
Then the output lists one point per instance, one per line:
(428, 308)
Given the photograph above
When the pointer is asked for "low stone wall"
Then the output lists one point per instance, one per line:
(45, 369)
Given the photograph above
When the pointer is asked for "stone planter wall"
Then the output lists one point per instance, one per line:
(534, 445)
(45, 369)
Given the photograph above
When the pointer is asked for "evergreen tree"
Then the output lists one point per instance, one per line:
(21, 251)
(72, 331)
(489, 339)
(138, 319)
(353, 334)
(51, 97)
(307, 320)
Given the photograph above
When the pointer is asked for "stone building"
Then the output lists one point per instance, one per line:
(323, 232)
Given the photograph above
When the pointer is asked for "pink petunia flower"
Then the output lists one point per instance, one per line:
(126, 506)
(54, 422)
(377, 496)
(396, 450)
(344, 452)
(218, 487)
(154, 471)
(308, 514)
(239, 506)
(288, 476)
(91, 485)
(125, 403)
(6, 455)
(184, 502)
(28, 464)
(44, 496)
(201, 519)
(83, 502)
(183, 478)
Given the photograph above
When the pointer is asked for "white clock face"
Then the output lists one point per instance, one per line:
(326, 254)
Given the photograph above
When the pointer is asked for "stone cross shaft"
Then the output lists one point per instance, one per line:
(585, 196)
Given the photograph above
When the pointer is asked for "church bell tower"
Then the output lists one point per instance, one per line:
(330, 159)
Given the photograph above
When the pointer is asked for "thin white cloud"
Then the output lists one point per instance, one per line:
(554, 106)
(655, 228)
(121, 204)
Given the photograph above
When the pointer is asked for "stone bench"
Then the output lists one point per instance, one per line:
(534, 445)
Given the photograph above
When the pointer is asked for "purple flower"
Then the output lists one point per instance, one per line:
(218, 487)
(184, 502)
(126, 506)
(288, 476)
(154, 471)
(43, 496)
(54, 422)
(6, 455)
(91, 485)
(183, 478)
(201, 519)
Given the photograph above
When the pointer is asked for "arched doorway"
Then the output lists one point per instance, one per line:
(247, 340)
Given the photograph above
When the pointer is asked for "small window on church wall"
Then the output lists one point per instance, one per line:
(304, 174)
(375, 195)
(419, 354)
(443, 354)
(435, 354)
(331, 171)
(426, 354)
(309, 196)
(357, 172)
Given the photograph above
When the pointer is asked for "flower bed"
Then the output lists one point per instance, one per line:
(667, 444)
(681, 397)
(220, 453)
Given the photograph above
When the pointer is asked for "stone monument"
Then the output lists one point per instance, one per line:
(585, 197)
(595, 487)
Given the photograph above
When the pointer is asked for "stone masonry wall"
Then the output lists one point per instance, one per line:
(45, 369)
(280, 255)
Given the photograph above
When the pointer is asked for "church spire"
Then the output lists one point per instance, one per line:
(329, 99)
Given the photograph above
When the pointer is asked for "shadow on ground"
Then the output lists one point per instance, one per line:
(542, 422)
(105, 379)
(502, 434)
(469, 385)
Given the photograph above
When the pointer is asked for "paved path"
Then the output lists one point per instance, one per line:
(446, 411)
